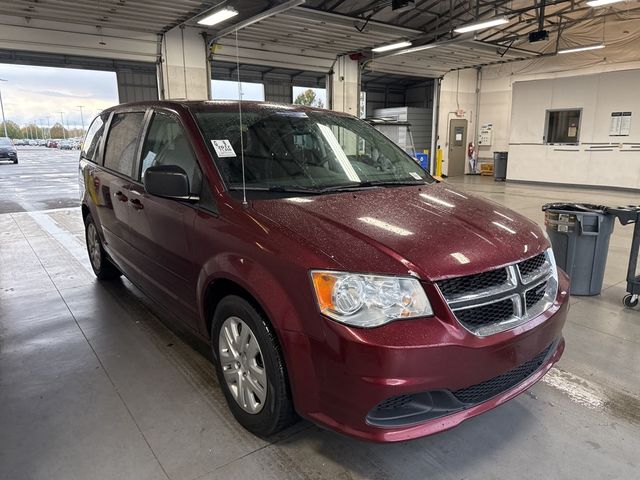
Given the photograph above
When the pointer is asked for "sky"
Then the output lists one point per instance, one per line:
(31, 93)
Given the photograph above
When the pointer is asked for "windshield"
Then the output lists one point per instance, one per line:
(4, 141)
(304, 150)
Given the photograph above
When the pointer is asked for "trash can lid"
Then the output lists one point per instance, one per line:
(576, 207)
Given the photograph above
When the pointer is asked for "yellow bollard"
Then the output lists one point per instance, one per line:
(439, 154)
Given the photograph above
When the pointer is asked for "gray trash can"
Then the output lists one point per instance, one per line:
(579, 235)
(500, 165)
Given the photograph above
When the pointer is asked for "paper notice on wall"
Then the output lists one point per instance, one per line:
(625, 123)
(620, 124)
(485, 134)
(458, 137)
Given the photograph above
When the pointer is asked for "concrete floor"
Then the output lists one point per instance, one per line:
(96, 383)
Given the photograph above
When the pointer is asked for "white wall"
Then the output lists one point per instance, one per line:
(617, 164)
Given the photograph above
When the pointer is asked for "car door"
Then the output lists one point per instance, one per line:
(160, 228)
(112, 182)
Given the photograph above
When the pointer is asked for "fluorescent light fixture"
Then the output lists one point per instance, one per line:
(601, 3)
(217, 17)
(419, 48)
(581, 49)
(391, 46)
(482, 25)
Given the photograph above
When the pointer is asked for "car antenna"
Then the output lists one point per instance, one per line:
(244, 183)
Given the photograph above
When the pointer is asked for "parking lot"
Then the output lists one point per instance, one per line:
(96, 382)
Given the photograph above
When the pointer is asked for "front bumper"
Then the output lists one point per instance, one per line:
(356, 370)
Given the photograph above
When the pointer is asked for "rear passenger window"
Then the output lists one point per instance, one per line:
(93, 137)
(122, 142)
(167, 144)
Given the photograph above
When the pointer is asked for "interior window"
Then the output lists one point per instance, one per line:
(122, 141)
(93, 137)
(167, 144)
(563, 126)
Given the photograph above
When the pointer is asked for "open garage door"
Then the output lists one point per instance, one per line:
(137, 81)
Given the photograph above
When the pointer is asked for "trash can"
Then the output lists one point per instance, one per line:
(500, 166)
(579, 235)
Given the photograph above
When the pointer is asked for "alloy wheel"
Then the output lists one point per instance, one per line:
(93, 244)
(242, 365)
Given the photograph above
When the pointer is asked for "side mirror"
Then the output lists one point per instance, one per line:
(168, 181)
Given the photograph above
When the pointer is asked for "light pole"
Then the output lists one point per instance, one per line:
(49, 126)
(4, 122)
(81, 117)
(64, 136)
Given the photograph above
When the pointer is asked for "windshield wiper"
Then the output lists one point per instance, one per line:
(371, 184)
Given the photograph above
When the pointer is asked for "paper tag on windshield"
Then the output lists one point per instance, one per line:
(223, 148)
(415, 175)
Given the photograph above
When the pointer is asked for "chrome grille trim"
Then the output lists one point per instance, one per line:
(515, 288)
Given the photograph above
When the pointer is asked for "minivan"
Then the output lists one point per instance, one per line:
(332, 276)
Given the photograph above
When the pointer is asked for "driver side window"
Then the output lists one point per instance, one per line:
(167, 144)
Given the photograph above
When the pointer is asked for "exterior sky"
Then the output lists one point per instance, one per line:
(31, 93)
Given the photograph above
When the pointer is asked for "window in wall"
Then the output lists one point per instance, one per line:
(312, 97)
(363, 104)
(228, 90)
(563, 126)
(122, 142)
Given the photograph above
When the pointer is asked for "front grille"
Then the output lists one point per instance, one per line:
(474, 318)
(486, 390)
(461, 286)
(395, 402)
(493, 301)
(533, 296)
(532, 265)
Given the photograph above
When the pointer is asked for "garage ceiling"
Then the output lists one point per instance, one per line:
(322, 29)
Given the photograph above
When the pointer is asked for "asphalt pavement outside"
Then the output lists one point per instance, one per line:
(96, 382)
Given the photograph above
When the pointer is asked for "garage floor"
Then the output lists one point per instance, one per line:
(96, 384)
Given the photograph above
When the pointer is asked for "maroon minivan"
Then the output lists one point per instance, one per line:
(332, 276)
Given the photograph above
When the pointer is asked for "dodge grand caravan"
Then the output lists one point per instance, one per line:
(333, 277)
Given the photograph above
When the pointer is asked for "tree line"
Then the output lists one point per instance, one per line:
(31, 130)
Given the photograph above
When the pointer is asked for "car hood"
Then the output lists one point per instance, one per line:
(434, 231)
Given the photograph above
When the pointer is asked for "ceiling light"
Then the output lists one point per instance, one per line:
(217, 17)
(600, 3)
(482, 25)
(391, 46)
(581, 49)
(416, 49)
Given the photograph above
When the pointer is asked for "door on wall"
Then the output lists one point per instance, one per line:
(457, 147)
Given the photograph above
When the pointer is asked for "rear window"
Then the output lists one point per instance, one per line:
(94, 135)
(122, 142)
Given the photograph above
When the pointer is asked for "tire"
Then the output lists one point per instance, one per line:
(100, 262)
(274, 411)
(629, 301)
(15, 162)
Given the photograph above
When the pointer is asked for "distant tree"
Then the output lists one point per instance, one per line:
(57, 131)
(309, 98)
(13, 129)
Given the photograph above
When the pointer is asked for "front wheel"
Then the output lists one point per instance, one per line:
(250, 367)
(630, 301)
(100, 262)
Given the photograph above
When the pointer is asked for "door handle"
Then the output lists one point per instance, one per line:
(137, 204)
(120, 196)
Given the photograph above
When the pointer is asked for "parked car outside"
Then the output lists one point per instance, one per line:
(19, 142)
(65, 145)
(42, 142)
(33, 143)
(343, 283)
(8, 150)
(52, 143)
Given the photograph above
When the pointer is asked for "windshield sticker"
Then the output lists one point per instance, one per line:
(415, 175)
(223, 148)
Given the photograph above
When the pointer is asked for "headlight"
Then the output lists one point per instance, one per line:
(369, 300)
